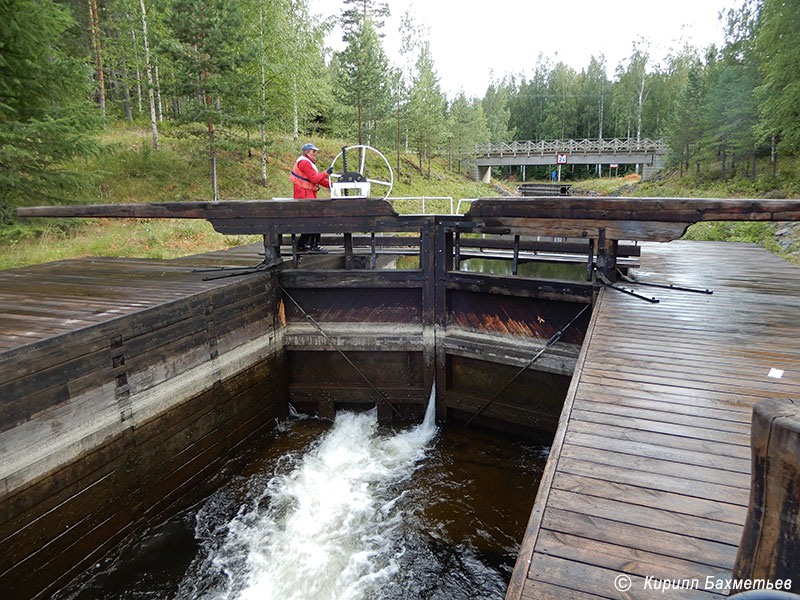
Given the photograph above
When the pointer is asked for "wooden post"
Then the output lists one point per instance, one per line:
(444, 263)
(770, 544)
(348, 251)
(272, 248)
(458, 251)
(427, 264)
(607, 256)
(515, 261)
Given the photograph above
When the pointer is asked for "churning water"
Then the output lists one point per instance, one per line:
(347, 511)
(328, 527)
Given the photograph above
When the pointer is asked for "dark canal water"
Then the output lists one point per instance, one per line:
(345, 510)
(546, 270)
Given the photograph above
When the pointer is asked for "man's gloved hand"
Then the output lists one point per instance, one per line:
(329, 170)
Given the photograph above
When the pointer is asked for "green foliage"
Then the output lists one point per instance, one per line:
(724, 231)
(520, 114)
(778, 47)
(208, 52)
(561, 112)
(44, 117)
(685, 127)
(466, 126)
(426, 105)
(630, 93)
(357, 12)
(364, 77)
(497, 110)
(596, 92)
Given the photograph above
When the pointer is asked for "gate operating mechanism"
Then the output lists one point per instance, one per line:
(357, 183)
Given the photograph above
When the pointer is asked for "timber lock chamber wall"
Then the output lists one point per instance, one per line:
(112, 426)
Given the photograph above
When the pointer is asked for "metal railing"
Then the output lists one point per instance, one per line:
(584, 146)
(455, 209)
(423, 198)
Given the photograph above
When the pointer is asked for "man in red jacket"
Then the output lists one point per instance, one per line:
(307, 181)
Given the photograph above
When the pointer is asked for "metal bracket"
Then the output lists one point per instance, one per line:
(666, 286)
(270, 260)
(609, 284)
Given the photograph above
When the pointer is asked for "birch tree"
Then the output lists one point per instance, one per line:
(150, 90)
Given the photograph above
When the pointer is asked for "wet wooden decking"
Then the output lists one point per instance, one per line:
(43, 301)
(649, 472)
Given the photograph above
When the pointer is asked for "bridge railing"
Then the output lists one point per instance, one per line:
(584, 146)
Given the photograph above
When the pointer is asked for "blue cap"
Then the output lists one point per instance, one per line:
(307, 147)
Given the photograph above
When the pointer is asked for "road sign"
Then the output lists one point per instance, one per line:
(613, 166)
(561, 158)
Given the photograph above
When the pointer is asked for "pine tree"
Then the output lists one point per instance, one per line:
(45, 119)
(357, 12)
(685, 128)
(209, 53)
(731, 110)
(427, 105)
(364, 77)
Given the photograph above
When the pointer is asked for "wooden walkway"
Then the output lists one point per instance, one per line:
(649, 473)
(50, 299)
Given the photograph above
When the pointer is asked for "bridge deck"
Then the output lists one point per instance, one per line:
(649, 471)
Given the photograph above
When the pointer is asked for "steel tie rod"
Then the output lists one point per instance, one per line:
(553, 339)
(311, 320)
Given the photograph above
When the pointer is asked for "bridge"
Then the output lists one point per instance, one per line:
(651, 154)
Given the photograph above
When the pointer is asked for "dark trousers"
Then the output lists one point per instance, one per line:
(308, 240)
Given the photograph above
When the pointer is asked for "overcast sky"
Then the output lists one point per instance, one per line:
(472, 40)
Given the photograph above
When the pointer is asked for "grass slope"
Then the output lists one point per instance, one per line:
(128, 170)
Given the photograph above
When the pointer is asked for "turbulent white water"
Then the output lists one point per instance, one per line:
(328, 526)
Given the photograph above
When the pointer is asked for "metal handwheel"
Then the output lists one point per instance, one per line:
(357, 182)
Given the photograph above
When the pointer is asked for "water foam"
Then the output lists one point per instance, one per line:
(330, 526)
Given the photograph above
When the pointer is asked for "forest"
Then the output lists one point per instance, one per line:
(233, 75)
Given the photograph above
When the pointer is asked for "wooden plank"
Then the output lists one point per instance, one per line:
(667, 440)
(670, 543)
(679, 455)
(646, 389)
(624, 558)
(686, 210)
(638, 230)
(666, 483)
(655, 411)
(648, 464)
(646, 516)
(598, 581)
(241, 209)
(688, 404)
(657, 426)
(635, 495)
(538, 590)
